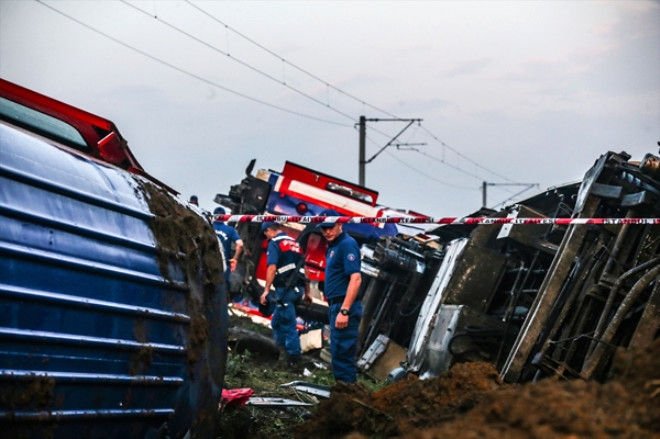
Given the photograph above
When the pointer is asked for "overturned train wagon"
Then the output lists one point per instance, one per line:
(533, 300)
(107, 329)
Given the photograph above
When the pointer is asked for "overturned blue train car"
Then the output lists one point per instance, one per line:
(112, 310)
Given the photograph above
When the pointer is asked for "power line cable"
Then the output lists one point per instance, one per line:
(185, 72)
(241, 62)
(245, 64)
(421, 172)
(444, 162)
(457, 168)
(300, 69)
(195, 76)
(200, 78)
(463, 156)
(501, 203)
(426, 175)
(272, 53)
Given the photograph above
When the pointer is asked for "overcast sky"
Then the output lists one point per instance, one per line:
(508, 92)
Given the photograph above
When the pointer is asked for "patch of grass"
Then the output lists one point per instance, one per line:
(265, 378)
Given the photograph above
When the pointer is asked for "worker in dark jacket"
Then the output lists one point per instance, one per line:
(227, 236)
(342, 285)
(283, 256)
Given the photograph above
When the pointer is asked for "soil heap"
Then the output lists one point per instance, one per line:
(471, 401)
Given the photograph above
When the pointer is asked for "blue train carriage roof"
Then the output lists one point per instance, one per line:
(78, 210)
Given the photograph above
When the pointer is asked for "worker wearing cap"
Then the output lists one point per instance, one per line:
(283, 257)
(342, 285)
(226, 236)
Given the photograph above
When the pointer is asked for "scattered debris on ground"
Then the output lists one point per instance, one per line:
(253, 363)
(469, 401)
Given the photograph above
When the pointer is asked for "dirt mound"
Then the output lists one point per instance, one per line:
(470, 401)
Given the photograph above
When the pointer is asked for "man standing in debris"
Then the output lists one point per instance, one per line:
(226, 236)
(342, 285)
(283, 257)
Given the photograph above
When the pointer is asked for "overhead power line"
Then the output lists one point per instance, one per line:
(527, 186)
(241, 62)
(328, 84)
(443, 161)
(444, 145)
(300, 69)
(430, 177)
(186, 72)
(254, 69)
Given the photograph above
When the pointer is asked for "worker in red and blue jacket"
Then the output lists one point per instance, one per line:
(284, 255)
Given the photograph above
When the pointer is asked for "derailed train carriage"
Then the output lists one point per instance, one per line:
(533, 300)
(112, 312)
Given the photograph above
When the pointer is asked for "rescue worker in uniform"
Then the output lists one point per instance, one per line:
(226, 236)
(283, 256)
(342, 285)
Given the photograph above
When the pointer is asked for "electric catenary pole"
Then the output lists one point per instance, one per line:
(363, 136)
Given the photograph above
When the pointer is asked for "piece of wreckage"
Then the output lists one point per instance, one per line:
(297, 190)
(533, 300)
(113, 319)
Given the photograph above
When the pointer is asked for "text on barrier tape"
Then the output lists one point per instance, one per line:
(427, 220)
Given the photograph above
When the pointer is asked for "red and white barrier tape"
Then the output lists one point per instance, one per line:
(427, 220)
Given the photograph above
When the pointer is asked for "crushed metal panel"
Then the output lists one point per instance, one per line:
(392, 294)
(545, 299)
(649, 324)
(271, 402)
(597, 294)
(382, 357)
(585, 188)
(533, 236)
(435, 358)
(461, 334)
(427, 317)
(310, 388)
(555, 202)
(376, 349)
(475, 277)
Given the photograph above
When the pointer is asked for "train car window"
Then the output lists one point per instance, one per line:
(349, 192)
(47, 126)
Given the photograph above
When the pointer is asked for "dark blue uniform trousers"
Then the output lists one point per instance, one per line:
(284, 321)
(343, 343)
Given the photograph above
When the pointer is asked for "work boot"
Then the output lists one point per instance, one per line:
(293, 363)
